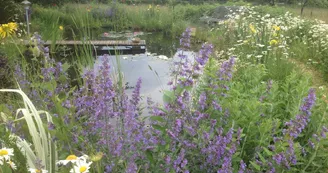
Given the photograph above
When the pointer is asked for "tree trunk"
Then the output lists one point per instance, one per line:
(303, 5)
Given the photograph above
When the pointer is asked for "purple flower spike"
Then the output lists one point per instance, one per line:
(204, 54)
(225, 72)
(202, 101)
(296, 126)
(242, 167)
(185, 39)
(136, 93)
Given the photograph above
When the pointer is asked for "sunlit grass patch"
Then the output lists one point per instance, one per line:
(311, 12)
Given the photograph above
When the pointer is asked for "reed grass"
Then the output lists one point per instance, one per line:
(43, 147)
(170, 19)
(311, 12)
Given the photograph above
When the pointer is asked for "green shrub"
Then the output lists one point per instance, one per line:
(10, 10)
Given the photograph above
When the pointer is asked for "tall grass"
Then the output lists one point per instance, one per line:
(171, 19)
(43, 147)
(311, 12)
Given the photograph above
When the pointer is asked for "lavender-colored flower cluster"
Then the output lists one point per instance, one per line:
(185, 39)
(49, 85)
(296, 126)
(112, 119)
(193, 132)
(294, 129)
(225, 72)
(187, 70)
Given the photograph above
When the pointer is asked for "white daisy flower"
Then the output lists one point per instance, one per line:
(33, 170)
(12, 165)
(81, 167)
(73, 159)
(6, 153)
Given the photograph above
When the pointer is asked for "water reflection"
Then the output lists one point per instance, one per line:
(157, 42)
(155, 72)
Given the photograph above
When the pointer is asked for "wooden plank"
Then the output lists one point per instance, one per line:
(97, 42)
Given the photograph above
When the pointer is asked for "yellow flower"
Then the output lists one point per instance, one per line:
(8, 29)
(61, 28)
(252, 28)
(277, 28)
(71, 157)
(12, 26)
(3, 152)
(6, 153)
(81, 166)
(149, 6)
(273, 42)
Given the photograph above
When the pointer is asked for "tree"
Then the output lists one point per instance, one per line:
(304, 2)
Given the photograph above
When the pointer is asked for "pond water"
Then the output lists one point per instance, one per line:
(154, 72)
(153, 67)
(158, 42)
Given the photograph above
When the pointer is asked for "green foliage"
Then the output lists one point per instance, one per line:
(318, 3)
(72, 17)
(43, 148)
(5, 72)
(265, 92)
(8, 141)
(274, 11)
(10, 10)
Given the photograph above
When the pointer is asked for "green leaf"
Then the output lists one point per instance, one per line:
(316, 164)
(150, 157)
(158, 127)
(62, 78)
(322, 154)
(65, 66)
(168, 96)
(157, 118)
(268, 152)
(256, 166)
(5, 168)
(261, 157)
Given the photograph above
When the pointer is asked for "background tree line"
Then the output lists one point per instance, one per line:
(11, 9)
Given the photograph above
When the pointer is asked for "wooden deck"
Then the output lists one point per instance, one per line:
(99, 42)
(103, 46)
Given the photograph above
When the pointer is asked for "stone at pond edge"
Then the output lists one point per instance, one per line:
(136, 40)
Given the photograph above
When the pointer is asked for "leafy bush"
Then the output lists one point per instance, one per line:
(318, 3)
(10, 10)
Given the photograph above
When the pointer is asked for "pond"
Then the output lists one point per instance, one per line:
(158, 43)
(153, 67)
(154, 72)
